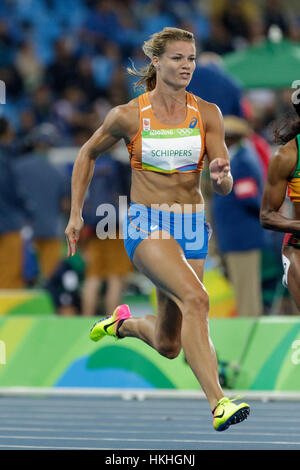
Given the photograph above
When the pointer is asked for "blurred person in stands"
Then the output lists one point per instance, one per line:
(73, 111)
(212, 83)
(29, 66)
(275, 12)
(219, 40)
(84, 77)
(284, 179)
(41, 103)
(261, 145)
(236, 20)
(46, 191)
(102, 22)
(240, 237)
(36, 110)
(60, 72)
(106, 259)
(64, 286)
(12, 210)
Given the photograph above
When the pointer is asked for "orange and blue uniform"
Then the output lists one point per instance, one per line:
(167, 149)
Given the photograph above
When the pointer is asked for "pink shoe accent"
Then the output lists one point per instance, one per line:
(123, 312)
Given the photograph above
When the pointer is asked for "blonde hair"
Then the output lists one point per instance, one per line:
(155, 46)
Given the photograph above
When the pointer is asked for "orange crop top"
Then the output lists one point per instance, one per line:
(168, 149)
(294, 182)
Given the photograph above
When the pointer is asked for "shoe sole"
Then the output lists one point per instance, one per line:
(237, 417)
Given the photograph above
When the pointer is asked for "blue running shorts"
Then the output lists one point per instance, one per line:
(191, 231)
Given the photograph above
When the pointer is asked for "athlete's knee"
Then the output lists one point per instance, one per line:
(196, 303)
(168, 349)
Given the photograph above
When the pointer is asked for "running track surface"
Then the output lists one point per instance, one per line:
(94, 423)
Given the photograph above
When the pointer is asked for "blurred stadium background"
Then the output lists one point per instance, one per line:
(62, 68)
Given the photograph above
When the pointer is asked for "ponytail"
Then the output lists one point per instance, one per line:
(147, 76)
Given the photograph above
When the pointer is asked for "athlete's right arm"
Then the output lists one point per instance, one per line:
(280, 169)
(109, 133)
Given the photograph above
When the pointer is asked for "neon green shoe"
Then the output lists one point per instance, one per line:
(227, 413)
(110, 325)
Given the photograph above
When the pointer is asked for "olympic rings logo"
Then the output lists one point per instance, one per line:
(184, 132)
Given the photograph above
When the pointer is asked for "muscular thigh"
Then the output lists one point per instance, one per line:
(168, 312)
(164, 263)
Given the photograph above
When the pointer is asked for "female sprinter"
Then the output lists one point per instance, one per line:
(284, 178)
(167, 132)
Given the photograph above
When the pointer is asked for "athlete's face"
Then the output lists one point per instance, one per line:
(177, 64)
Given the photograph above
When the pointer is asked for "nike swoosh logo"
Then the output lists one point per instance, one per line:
(153, 227)
(221, 415)
(107, 326)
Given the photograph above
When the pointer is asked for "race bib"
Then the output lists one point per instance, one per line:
(171, 150)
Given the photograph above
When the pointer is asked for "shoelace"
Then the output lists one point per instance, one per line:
(226, 399)
(105, 318)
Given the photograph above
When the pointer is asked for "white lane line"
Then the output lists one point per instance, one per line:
(186, 441)
(103, 409)
(141, 421)
(116, 425)
(109, 416)
(10, 446)
(130, 431)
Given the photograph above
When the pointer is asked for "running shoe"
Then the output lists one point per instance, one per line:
(227, 413)
(109, 325)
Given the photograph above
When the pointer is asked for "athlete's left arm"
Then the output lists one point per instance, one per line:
(216, 150)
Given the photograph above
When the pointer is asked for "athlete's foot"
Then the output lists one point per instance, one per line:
(227, 413)
(110, 325)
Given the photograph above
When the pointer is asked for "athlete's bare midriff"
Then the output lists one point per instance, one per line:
(149, 188)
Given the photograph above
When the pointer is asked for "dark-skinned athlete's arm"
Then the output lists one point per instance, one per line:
(217, 153)
(109, 133)
(280, 169)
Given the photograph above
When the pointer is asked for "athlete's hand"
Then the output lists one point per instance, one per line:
(72, 234)
(219, 168)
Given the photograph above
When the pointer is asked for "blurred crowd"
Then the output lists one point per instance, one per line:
(63, 64)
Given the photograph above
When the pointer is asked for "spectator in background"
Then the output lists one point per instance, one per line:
(64, 286)
(41, 103)
(47, 193)
(213, 84)
(236, 20)
(241, 247)
(36, 109)
(220, 40)
(274, 13)
(261, 145)
(29, 66)
(84, 77)
(73, 112)
(102, 23)
(7, 43)
(60, 72)
(105, 66)
(13, 81)
(106, 259)
(12, 211)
